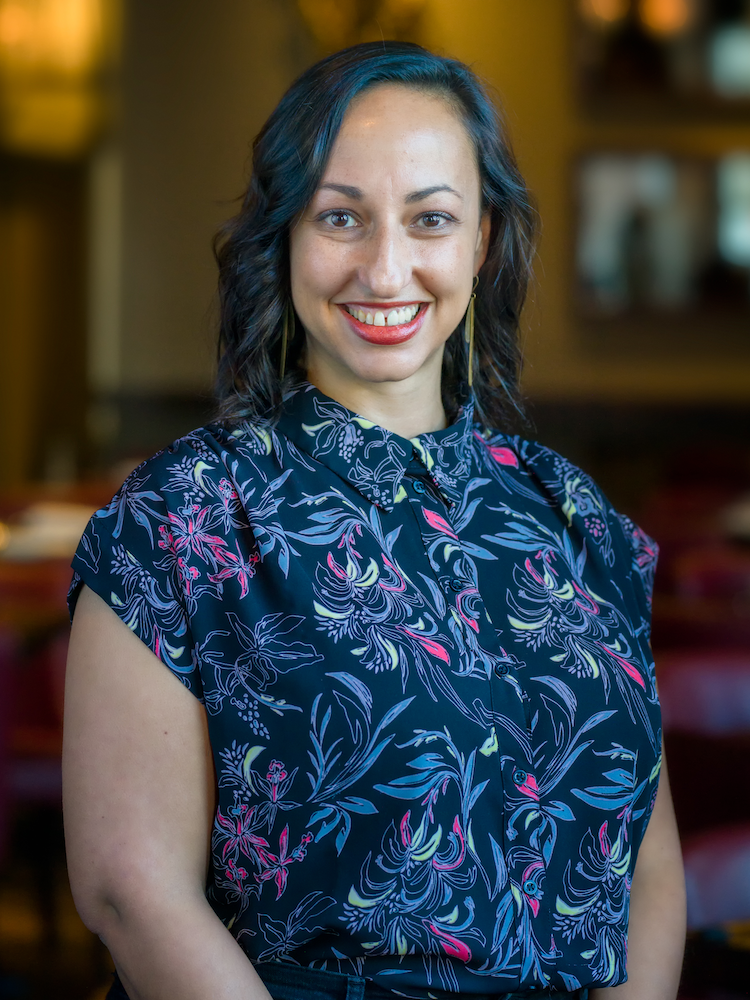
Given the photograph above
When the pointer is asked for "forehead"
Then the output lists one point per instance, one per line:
(401, 131)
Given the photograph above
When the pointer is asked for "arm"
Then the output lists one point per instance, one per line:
(138, 796)
(656, 934)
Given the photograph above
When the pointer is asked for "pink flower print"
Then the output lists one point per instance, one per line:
(595, 527)
(276, 866)
(464, 598)
(405, 829)
(348, 540)
(398, 588)
(605, 844)
(448, 864)
(166, 541)
(527, 785)
(275, 775)
(451, 945)
(438, 523)
(237, 833)
(502, 455)
(236, 874)
(188, 574)
(584, 601)
(227, 491)
(187, 531)
(429, 644)
(631, 670)
(334, 567)
(235, 564)
(530, 885)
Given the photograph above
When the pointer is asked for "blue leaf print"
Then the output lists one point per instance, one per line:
(463, 673)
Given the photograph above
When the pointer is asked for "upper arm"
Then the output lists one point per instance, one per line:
(138, 779)
(660, 851)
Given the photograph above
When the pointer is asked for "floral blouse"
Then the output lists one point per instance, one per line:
(430, 695)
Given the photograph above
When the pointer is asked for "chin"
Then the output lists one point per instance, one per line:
(386, 371)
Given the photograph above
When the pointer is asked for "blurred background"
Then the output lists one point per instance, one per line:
(124, 140)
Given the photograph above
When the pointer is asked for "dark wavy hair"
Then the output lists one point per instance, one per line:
(289, 158)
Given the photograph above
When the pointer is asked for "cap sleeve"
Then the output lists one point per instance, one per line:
(644, 555)
(127, 556)
(628, 552)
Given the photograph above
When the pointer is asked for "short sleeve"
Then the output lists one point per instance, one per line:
(644, 555)
(629, 554)
(129, 558)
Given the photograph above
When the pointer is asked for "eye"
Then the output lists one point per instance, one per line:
(434, 220)
(339, 220)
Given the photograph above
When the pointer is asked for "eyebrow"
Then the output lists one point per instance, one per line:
(426, 192)
(356, 195)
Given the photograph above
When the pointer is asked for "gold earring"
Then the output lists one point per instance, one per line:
(285, 332)
(469, 329)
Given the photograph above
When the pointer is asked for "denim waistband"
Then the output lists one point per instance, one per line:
(294, 982)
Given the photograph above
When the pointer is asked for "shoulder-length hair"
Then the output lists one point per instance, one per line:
(289, 158)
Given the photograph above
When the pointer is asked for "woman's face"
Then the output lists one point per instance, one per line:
(384, 256)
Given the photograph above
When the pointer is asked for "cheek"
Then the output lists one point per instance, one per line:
(448, 266)
(456, 254)
(318, 269)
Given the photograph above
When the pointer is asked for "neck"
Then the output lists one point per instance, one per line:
(405, 408)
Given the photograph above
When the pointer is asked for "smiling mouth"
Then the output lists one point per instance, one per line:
(380, 317)
(385, 327)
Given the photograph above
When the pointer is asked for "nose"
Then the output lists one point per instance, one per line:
(385, 267)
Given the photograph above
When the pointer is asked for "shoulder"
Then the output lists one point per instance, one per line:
(560, 483)
(556, 476)
(198, 478)
(202, 460)
(171, 533)
(213, 447)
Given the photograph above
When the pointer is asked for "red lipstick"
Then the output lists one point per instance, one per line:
(386, 336)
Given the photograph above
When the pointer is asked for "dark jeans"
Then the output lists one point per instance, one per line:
(289, 982)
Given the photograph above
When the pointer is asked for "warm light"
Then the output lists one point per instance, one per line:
(15, 25)
(58, 36)
(51, 53)
(336, 24)
(667, 17)
(603, 12)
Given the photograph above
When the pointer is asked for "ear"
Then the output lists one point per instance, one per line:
(483, 241)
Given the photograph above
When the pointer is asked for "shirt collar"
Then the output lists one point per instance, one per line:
(370, 457)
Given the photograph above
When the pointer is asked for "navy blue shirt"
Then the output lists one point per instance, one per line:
(430, 694)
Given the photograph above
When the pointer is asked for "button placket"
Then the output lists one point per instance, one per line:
(499, 695)
(452, 586)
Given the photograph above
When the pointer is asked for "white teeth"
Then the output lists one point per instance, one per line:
(394, 317)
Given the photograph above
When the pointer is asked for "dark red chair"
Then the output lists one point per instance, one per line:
(8, 653)
(705, 696)
(717, 875)
(714, 571)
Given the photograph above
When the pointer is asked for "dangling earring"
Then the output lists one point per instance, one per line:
(286, 331)
(469, 329)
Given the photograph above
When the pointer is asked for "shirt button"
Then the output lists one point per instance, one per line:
(456, 584)
(519, 776)
(501, 669)
(529, 887)
(418, 486)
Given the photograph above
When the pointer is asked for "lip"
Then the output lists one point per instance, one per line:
(385, 335)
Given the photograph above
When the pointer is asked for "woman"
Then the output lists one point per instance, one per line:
(416, 743)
